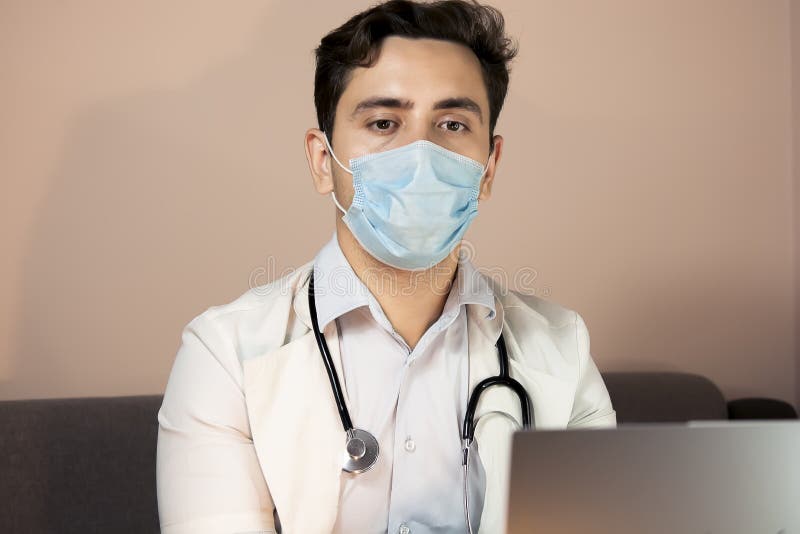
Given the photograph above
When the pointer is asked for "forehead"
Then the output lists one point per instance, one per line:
(421, 70)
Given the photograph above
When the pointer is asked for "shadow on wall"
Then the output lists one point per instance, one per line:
(162, 205)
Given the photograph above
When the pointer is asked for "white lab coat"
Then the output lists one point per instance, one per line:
(263, 341)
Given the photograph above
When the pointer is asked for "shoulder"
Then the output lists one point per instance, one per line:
(525, 307)
(532, 311)
(548, 345)
(546, 335)
(548, 338)
(255, 321)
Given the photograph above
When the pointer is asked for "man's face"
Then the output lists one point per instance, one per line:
(417, 89)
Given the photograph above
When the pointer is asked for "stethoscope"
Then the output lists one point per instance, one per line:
(361, 447)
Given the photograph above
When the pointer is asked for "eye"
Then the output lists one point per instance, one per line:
(381, 125)
(456, 126)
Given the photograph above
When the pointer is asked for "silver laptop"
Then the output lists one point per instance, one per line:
(739, 477)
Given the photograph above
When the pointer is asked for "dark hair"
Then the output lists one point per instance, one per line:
(357, 43)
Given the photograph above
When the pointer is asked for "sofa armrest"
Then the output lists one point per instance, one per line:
(760, 408)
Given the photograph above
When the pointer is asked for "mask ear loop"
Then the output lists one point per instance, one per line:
(485, 168)
(333, 195)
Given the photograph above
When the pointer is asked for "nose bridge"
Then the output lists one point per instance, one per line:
(418, 130)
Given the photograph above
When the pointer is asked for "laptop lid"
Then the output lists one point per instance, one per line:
(739, 477)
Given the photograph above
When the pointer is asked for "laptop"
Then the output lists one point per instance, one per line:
(732, 477)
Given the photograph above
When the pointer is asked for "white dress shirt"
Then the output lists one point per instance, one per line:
(412, 401)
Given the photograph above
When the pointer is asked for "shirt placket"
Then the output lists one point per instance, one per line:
(404, 471)
(402, 446)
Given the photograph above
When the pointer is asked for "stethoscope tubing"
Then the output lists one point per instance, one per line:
(502, 379)
(468, 428)
(367, 445)
(333, 376)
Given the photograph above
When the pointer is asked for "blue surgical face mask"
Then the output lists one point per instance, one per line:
(412, 204)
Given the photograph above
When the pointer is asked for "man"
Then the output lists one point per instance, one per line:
(407, 98)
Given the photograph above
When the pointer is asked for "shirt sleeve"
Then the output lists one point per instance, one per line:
(592, 405)
(208, 477)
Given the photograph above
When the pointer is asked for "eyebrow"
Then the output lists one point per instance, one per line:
(459, 102)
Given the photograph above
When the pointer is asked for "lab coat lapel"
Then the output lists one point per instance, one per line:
(296, 428)
(498, 412)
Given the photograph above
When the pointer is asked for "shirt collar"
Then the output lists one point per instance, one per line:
(338, 290)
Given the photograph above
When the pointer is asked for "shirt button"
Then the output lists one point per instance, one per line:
(404, 529)
(410, 446)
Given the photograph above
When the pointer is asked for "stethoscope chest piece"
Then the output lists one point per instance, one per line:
(361, 451)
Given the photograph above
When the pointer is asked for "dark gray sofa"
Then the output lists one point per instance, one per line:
(87, 465)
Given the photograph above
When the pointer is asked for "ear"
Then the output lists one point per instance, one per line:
(319, 161)
(488, 178)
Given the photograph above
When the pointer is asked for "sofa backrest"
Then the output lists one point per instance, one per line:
(88, 464)
(79, 465)
(661, 397)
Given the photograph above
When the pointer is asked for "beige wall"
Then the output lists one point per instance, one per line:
(152, 163)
